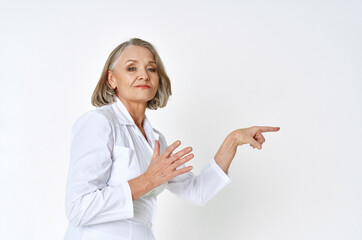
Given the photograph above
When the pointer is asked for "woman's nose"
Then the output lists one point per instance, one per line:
(143, 74)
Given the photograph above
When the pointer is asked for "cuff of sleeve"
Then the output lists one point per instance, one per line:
(127, 200)
(226, 177)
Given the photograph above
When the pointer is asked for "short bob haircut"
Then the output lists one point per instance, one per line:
(104, 94)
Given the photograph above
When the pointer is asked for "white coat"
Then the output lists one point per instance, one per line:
(108, 149)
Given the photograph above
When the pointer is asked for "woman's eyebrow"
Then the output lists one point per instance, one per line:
(133, 60)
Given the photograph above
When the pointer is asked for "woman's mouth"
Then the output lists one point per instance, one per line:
(143, 86)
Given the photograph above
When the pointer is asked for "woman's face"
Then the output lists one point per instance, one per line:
(136, 66)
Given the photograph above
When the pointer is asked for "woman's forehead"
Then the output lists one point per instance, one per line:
(136, 53)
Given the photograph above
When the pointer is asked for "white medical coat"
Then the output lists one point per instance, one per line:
(107, 150)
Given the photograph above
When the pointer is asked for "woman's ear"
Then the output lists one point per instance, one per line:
(111, 80)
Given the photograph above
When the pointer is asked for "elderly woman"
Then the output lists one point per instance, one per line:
(119, 163)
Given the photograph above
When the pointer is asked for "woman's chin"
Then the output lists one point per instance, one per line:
(141, 100)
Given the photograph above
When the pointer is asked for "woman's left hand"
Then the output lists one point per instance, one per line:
(252, 135)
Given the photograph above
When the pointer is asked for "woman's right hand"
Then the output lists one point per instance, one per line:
(163, 167)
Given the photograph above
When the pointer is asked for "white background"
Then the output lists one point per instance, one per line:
(232, 64)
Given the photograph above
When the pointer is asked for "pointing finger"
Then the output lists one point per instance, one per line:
(268, 129)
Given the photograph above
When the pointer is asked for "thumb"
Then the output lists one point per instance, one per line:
(156, 150)
(253, 142)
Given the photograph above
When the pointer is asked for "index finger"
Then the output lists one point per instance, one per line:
(171, 148)
(268, 129)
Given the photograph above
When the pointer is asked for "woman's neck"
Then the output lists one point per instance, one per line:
(136, 110)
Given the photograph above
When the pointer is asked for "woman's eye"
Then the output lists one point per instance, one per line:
(149, 69)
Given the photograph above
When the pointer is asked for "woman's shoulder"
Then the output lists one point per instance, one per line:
(94, 124)
(101, 115)
(91, 121)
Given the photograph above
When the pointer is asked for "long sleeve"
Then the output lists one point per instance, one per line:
(199, 189)
(89, 200)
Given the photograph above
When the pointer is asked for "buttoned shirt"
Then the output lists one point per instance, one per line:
(108, 149)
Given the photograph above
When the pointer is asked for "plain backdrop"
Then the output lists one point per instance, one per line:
(233, 64)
